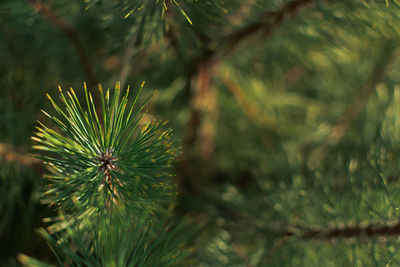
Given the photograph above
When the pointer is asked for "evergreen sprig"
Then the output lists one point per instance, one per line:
(101, 160)
(120, 241)
(139, 243)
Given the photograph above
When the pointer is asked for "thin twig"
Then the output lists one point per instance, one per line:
(266, 23)
(235, 217)
(250, 109)
(361, 98)
(358, 104)
(72, 35)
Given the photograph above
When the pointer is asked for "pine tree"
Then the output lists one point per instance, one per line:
(285, 142)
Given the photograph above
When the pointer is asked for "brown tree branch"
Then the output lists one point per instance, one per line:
(250, 109)
(334, 233)
(72, 35)
(235, 217)
(200, 75)
(361, 98)
(349, 232)
(266, 23)
(358, 104)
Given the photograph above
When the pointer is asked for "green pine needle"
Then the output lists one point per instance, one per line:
(122, 241)
(102, 159)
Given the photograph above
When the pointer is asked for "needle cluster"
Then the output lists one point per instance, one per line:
(99, 159)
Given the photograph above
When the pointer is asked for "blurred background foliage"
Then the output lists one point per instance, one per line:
(286, 112)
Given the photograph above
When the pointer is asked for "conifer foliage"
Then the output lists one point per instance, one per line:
(111, 169)
(285, 148)
(100, 159)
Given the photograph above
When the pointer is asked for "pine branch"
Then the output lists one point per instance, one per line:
(100, 162)
(252, 111)
(72, 35)
(362, 96)
(359, 102)
(120, 241)
(349, 232)
(266, 23)
(369, 231)
(233, 215)
(200, 75)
